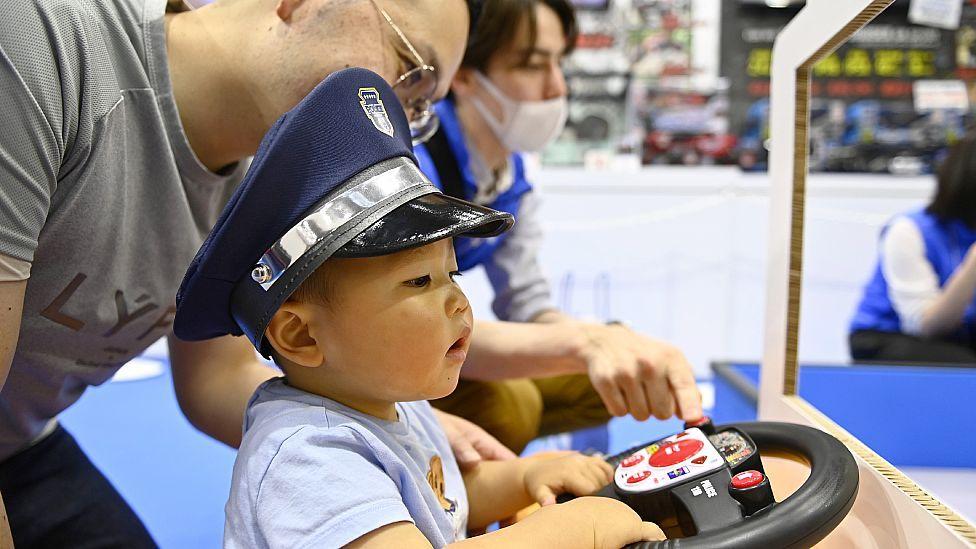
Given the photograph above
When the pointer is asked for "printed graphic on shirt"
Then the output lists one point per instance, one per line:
(435, 477)
(136, 319)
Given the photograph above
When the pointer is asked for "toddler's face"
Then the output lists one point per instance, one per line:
(397, 327)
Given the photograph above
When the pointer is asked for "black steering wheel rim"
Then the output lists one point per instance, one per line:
(802, 519)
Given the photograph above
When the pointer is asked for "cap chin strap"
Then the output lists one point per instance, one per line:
(329, 215)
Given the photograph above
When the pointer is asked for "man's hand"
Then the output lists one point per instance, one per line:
(574, 473)
(639, 375)
(470, 443)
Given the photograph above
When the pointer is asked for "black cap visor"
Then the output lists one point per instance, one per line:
(424, 220)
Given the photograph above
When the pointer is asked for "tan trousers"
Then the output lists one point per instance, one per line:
(516, 411)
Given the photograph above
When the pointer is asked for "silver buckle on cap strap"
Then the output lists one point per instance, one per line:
(332, 214)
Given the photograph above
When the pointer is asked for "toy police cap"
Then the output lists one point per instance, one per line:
(334, 177)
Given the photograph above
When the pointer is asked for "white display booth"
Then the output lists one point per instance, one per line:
(890, 511)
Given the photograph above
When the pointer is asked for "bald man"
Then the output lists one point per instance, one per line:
(124, 132)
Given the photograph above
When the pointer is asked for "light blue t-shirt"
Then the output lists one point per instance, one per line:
(314, 473)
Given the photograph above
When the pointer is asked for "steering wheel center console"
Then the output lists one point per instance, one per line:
(701, 478)
(707, 487)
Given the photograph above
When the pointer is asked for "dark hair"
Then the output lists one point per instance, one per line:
(474, 13)
(176, 6)
(499, 20)
(317, 288)
(955, 195)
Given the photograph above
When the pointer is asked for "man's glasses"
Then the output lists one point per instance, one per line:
(415, 89)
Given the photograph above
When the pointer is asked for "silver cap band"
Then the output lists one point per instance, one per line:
(333, 213)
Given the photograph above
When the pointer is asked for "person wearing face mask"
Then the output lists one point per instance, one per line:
(537, 371)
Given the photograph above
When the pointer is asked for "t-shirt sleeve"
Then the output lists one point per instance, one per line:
(13, 269)
(913, 284)
(30, 156)
(521, 288)
(325, 489)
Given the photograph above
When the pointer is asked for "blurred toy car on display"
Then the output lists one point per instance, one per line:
(865, 136)
(686, 128)
(688, 148)
(891, 137)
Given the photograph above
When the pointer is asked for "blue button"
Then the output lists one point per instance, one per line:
(678, 472)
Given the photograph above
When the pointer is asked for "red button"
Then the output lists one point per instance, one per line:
(634, 459)
(698, 423)
(675, 452)
(747, 479)
(637, 477)
(699, 460)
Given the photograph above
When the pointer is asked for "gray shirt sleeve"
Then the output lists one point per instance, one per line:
(56, 82)
(521, 289)
(13, 269)
(30, 159)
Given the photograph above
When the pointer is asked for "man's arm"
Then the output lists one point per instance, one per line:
(214, 380)
(505, 350)
(632, 373)
(11, 309)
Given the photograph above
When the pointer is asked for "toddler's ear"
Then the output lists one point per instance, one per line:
(289, 335)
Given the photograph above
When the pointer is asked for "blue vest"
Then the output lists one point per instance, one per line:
(946, 244)
(472, 252)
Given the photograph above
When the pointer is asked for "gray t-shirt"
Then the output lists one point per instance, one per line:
(99, 191)
(314, 473)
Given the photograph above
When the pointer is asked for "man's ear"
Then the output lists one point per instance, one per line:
(288, 332)
(464, 83)
(286, 8)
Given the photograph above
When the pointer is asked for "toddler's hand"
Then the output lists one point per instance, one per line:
(614, 524)
(574, 473)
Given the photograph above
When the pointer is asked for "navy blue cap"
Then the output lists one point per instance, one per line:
(334, 176)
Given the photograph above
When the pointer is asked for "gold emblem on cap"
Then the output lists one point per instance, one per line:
(374, 108)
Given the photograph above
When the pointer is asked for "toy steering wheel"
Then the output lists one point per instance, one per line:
(708, 483)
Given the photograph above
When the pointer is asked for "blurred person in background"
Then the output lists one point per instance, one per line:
(919, 305)
(537, 371)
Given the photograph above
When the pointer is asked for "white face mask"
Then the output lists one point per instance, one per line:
(525, 126)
